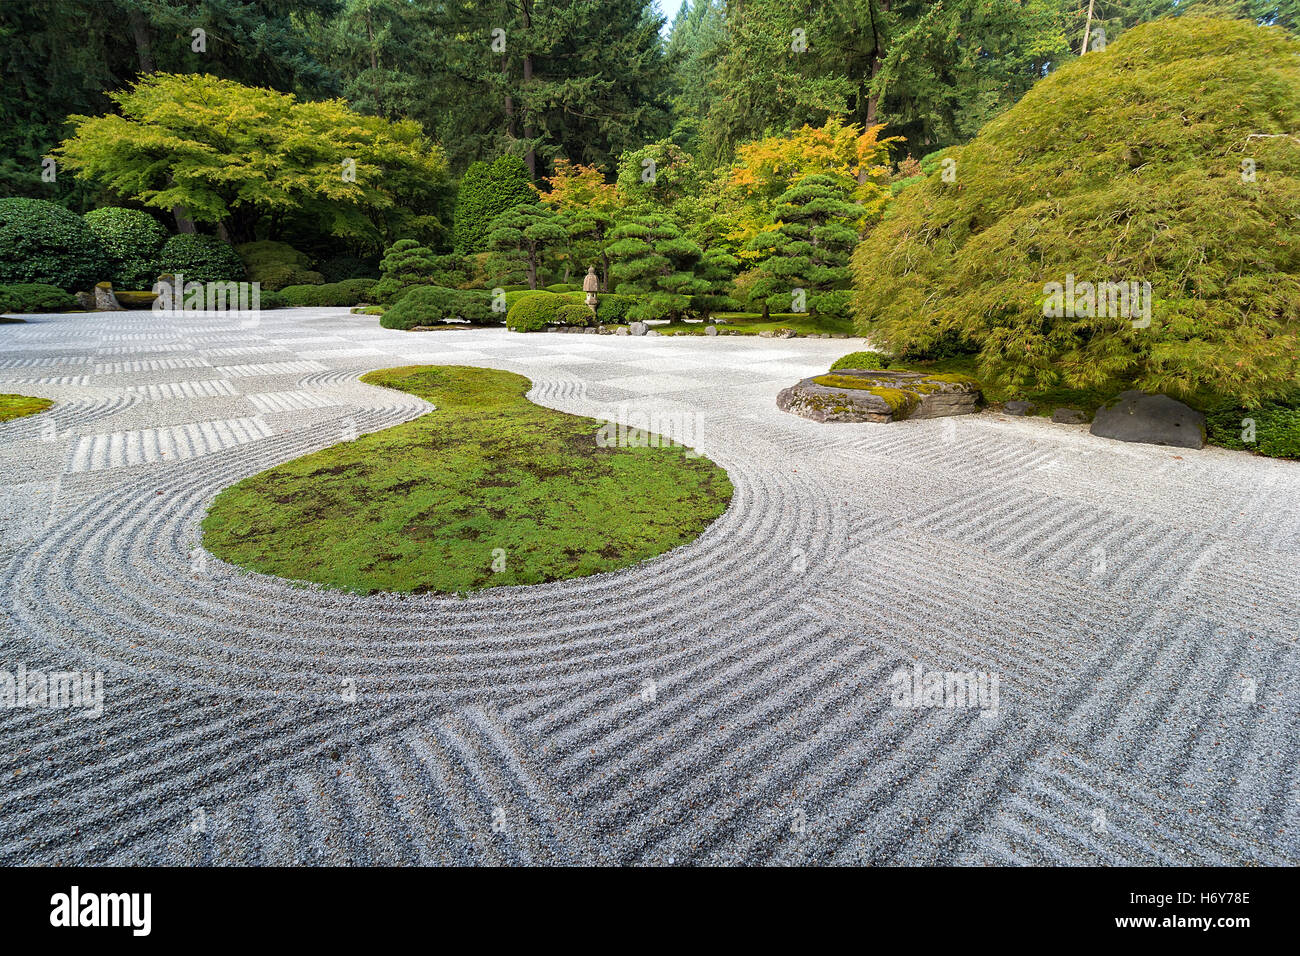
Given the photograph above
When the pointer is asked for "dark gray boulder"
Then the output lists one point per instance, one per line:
(1018, 407)
(1152, 419)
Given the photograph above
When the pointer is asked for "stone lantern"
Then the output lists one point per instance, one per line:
(589, 285)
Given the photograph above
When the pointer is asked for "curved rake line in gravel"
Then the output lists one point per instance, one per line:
(769, 687)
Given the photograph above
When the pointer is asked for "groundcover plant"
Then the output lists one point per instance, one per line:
(639, 433)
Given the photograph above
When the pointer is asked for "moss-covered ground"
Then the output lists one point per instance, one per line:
(17, 406)
(487, 490)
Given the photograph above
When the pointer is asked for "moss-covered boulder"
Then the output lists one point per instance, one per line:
(136, 298)
(865, 395)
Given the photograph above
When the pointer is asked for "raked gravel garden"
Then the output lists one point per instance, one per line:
(728, 701)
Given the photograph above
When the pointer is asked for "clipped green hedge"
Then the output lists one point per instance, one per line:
(24, 297)
(41, 242)
(862, 360)
(535, 311)
(563, 287)
(201, 259)
(132, 241)
(135, 298)
(573, 314)
(431, 304)
(348, 292)
(613, 309)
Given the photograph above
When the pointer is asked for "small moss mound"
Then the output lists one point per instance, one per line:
(899, 401)
(952, 378)
(845, 381)
(862, 360)
(19, 406)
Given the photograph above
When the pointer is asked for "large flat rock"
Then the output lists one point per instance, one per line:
(861, 395)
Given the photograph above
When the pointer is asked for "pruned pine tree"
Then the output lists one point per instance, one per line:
(521, 238)
(655, 262)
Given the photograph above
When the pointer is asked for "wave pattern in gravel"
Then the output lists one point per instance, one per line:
(727, 702)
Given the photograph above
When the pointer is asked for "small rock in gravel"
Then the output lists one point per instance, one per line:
(1069, 416)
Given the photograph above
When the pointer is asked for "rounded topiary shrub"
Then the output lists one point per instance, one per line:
(573, 314)
(535, 311)
(201, 258)
(613, 309)
(23, 297)
(132, 241)
(862, 360)
(431, 304)
(44, 243)
(1163, 170)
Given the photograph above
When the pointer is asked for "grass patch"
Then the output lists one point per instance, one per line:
(19, 406)
(421, 507)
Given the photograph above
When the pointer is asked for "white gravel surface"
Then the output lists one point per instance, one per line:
(728, 702)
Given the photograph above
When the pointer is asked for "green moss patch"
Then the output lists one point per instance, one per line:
(845, 381)
(899, 401)
(430, 505)
(19, 406)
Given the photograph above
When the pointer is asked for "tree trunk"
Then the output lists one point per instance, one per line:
(143, 46)
(183, 221)
(511, 129)
(877, 59)
(526, 9)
